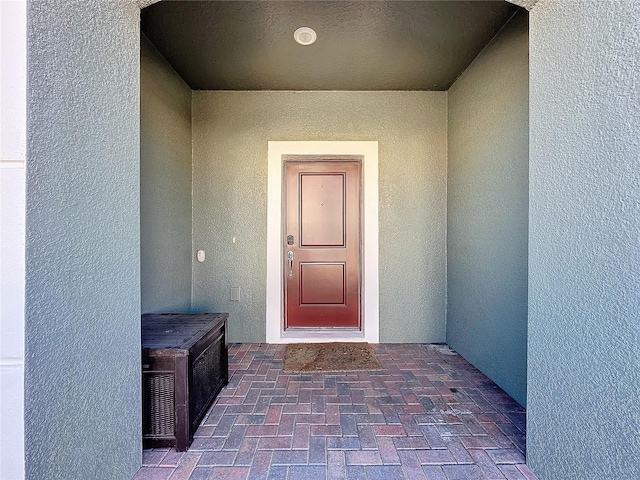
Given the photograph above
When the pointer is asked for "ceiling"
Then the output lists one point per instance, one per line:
(361, 45)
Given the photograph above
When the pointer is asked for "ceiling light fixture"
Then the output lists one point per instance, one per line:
(305, 35)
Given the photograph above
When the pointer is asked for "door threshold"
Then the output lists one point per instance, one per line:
(320, 335)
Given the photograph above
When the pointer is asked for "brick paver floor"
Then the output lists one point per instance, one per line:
(427, 414)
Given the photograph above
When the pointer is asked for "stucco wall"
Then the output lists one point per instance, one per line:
(487, 204)
(82, 358)
(231, 131)
(584, 264)
(165, 185)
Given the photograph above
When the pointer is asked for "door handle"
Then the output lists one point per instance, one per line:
(290, 260)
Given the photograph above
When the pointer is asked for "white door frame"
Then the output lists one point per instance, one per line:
(370, 282)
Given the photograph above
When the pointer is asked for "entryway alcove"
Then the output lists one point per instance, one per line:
(442, 87)
(82, 240)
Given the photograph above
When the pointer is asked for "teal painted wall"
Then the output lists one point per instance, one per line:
(82, 254)
(231, 131)
(584, 247)
(165, 185)
(82, 315)
(487, 205)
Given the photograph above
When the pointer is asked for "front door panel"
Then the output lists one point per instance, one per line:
(322, 234)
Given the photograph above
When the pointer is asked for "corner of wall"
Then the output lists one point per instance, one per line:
(166, 181)
(193, 243)
(446, 233)
(487, 210)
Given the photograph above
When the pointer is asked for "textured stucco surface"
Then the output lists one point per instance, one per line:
(487, 205)
(165, 185)
(82, 358)
(584, 264)
(230, 135)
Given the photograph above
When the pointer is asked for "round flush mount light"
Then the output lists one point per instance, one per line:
(305, 35)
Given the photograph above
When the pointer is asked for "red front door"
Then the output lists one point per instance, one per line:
(322, 243)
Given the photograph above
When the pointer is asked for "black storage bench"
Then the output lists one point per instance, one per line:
(185, 364)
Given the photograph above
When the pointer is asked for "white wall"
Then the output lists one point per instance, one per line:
(12, 216)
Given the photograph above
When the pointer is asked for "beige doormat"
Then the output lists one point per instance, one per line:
(330, 357)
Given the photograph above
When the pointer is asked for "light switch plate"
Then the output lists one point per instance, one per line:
(235, 294)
